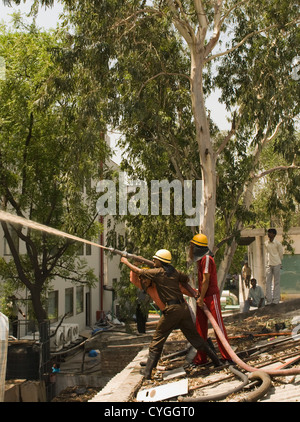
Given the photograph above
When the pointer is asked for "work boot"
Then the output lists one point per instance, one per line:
(211, 344)
(151, 363)
(212, 355)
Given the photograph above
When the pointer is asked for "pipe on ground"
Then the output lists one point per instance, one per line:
(261, 390)
(176, 354)
(222, 395)
(237, 360)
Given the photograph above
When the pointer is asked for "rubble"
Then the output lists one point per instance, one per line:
(264, 341)
(262, 338)
(76, 394)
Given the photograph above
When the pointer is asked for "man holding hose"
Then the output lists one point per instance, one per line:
(209, 294)
(176, 313)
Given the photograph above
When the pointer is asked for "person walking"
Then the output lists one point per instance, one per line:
(246, 274)
(176, 314)
(256, 297)
(209, 294)
(274, 255)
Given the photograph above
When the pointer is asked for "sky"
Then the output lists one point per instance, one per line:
(48, 18)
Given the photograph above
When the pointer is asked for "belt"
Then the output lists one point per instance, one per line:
(175, 302)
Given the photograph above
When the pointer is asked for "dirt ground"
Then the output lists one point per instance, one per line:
(243, 335)
(76, 394)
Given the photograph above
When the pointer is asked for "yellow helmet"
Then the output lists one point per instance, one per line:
(200, 240)
(163, 255)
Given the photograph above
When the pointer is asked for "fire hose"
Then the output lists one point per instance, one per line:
(221, 395)
(237, 360)
(15, 219)
(262, 389)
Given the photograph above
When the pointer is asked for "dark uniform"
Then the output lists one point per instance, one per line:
(175, 315)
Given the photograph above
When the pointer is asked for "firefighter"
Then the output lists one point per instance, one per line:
(176, 313)
(209, 294)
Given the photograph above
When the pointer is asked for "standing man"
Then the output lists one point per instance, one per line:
(208, 293)
(274, 258)
(256, 297)
(246, 274)
(176, 313)
(142, 310)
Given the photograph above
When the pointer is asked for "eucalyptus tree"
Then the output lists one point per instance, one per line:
(162, 57)
(162, 60)
(50, 149)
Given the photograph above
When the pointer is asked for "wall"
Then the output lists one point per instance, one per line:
(98, 298)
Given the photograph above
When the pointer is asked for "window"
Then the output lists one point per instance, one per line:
(80, 250)
(53, 306)
(88, 249)
(15, 239)
(69, 307)
(79, 299)
(84, 249)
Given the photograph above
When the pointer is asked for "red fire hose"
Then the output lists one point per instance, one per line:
(237, 360)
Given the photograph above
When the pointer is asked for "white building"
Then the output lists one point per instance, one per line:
(84, 305)
(81, 304)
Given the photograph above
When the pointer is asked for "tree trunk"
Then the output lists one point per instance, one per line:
(231, 249)
(205, 149)
(38, 309)
(226, 263)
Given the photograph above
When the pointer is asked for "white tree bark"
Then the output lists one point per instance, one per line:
(201, 53)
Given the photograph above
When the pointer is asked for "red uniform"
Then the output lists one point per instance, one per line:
(206, 265)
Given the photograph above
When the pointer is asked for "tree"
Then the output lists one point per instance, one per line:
(162, 55)
(50, 150)
(158, 98)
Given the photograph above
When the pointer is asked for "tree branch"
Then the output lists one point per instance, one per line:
(227, 138)
(278, 168)
(233, 235)
(251, 34)
(25, 153)
(201, 15)
(160, 74)
(183, 26)
(231, 9)
(15, 254)
(217, 27)
(134, 15)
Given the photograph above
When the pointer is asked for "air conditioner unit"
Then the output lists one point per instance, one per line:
(56, 341)
(67, 334)
(75, 332)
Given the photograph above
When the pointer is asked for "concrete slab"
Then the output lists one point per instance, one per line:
(163, 392)
(12, 391)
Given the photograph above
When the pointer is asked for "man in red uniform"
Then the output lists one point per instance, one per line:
(208, 293)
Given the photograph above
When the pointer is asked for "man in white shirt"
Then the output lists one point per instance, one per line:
(274, 257)
(256, 297)
(246, 274)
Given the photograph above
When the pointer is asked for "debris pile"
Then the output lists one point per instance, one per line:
(266, 342)
(76, 394)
